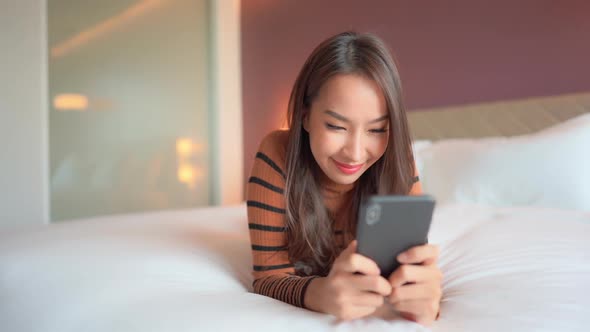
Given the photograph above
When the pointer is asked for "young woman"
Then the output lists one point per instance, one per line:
(348, 138)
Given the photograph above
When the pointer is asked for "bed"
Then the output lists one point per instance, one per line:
(515, 255)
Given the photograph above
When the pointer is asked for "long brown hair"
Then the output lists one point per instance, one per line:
(310, 235)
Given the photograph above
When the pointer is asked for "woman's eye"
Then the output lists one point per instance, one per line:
(333, 127)
(378, 131)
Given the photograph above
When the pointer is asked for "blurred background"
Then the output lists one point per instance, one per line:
(128, 106)
(125, 106)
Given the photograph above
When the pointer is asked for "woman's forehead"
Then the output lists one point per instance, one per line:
(352, 96)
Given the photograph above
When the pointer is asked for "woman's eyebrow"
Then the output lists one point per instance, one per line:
(337, 116)
(344, 119)
(385, 117)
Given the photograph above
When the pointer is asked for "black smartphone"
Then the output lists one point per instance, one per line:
(389, 225)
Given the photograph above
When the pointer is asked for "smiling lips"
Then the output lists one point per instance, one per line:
(348, 169)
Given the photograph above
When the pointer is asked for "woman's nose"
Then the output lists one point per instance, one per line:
(354, 148)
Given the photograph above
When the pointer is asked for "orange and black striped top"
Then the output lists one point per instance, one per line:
(274, 274)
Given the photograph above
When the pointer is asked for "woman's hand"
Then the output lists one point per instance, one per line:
(345, 293)
(416, 284)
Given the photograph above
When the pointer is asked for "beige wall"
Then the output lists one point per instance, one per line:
(23, 125)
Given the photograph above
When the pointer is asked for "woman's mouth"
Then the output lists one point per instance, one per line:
(347, 168)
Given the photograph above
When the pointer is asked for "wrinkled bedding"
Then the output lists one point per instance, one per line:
(518, 269)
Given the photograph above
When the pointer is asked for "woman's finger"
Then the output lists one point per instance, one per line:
(350, 249)
(375, 284)
(426, 254)
(366, 299)
(415, 274)
(364, 265)
(415, 292)
(351, 262)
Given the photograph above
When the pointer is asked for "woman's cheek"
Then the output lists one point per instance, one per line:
(379, 145)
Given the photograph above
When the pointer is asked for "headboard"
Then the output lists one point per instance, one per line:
(501, 118)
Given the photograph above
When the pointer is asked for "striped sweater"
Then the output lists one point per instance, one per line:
(274, 274)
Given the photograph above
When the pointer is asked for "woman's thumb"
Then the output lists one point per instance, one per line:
(351, 249)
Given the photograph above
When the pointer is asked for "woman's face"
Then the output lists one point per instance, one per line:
(347, 126)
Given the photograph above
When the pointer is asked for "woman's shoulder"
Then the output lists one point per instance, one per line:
(274, 146)
(275, 138)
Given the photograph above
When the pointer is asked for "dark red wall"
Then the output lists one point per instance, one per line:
(450, 52)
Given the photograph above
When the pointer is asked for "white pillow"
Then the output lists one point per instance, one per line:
(549, 168)
(417, 147)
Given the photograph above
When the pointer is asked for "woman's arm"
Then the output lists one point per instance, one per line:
(273, 272)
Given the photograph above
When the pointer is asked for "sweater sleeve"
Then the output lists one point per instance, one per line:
(274, 274)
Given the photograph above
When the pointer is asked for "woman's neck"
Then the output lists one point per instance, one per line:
(331, 189)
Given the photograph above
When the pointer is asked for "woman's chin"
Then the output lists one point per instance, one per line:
(344, 179)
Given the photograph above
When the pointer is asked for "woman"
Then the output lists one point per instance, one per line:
(348, 138)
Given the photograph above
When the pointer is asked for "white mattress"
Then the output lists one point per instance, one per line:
(517, 269)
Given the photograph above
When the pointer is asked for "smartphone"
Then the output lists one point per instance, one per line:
(389, 225)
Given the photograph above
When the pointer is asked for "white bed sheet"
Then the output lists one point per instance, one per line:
(517, 269)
